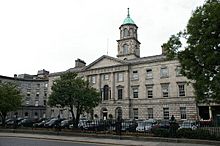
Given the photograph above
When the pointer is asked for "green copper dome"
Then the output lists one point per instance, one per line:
(128, 20)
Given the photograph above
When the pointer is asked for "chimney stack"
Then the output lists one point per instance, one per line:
(79, 63)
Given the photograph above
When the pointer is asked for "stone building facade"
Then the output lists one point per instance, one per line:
(33, 89)
(134, 87)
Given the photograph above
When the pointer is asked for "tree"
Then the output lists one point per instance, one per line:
(73, 92)
(10, 99)
(200, 56)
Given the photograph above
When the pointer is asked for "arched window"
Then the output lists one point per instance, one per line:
(118, 113)
(126, 32)
(106, 92)
(125, 49)
(131, 31)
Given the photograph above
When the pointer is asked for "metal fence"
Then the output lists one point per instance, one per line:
(140, 127)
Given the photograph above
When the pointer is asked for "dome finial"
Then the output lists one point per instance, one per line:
(128, 20)
(128, 13)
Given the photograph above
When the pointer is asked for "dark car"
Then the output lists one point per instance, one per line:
(55, 122)
(129, 126)
(164, 124)
(96, 126)
(26, 123)
(13, 122)
(41, 123)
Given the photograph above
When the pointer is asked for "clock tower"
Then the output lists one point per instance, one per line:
(128, 44)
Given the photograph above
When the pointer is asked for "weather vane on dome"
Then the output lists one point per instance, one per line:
(128, 13)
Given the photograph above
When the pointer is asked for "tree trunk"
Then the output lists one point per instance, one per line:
(78, 112)
(77, 116)
(73, 116)
(3, 116)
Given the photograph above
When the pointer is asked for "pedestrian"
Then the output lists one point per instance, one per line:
(172, 119)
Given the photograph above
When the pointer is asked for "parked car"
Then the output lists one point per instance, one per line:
(10, 123)
(129, 125)
(83, 124)
(66, 123)
(189, 124)
(165, 124)
(40, 124)
(26, 123)
(53, 123)
(145, 126)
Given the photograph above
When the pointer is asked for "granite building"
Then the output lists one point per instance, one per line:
(33, 89)
(134, 87)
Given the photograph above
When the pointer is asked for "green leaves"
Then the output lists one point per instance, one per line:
(10, 98)
(72, 91)
(200, 59)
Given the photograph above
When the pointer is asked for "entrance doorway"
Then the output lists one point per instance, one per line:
(104, 113)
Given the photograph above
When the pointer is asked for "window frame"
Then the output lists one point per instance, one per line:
(93, 79)
(164, 74)
(135, 75)
(120, 76)
(121, 93)
(166, 114)
(181, 91)
(178, 70)
(149, 89)
(149, 74)
(150, 113)
(163, 86)
(183, 113)
(135, 92)
(135, 113)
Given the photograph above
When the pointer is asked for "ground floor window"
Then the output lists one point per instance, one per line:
(166, 113)
(183, 112)
(135, 111)
(150, 113)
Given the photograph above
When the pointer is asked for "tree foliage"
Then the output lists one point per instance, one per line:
(10, 99)
(200, 58)
(73, 92)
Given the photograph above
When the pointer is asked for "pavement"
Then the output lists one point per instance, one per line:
(108, 141)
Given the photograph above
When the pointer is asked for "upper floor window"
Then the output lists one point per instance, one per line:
(178, 71)
(45, 85)
(93, 79)
(28, 93)
(106, 77)
(106, 92)
(120, 93)
(37, 94)
(165, 90)
(38, 86)
(182, 91)
(29, 86)
(149, 91)
(125, 49)
(126, 32)
(149, 73)
(36, 103)
(131, 30)
(164, 72)
(120, 77)
(135, 75)
(135, 92)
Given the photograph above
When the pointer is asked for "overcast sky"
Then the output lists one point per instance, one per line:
(52, 34)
